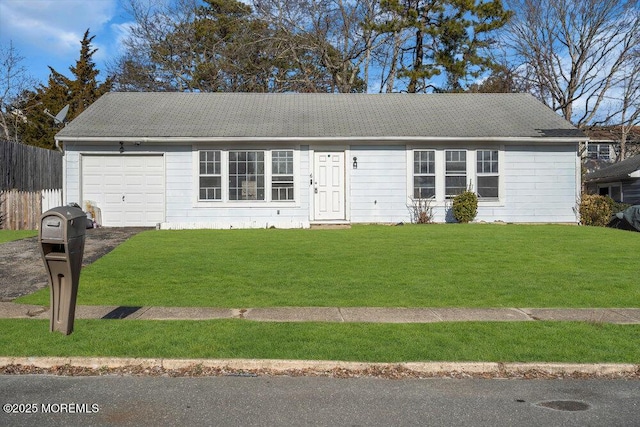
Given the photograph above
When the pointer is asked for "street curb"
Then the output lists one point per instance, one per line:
(205, 367)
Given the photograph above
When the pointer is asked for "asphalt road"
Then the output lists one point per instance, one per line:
(306, 401)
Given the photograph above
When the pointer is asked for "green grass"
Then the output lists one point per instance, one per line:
(452, 265)
(10, 235)
(470, 341)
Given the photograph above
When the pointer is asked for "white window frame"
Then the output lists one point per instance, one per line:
(491, 173)
(284, 178)
(430, 173)
(599, 150)
(454, 174)
(218, 154)
(247, 192)
(472, 174)
(609, 186)
(225, 201)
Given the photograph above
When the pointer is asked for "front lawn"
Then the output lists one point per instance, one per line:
(10, 235)
(446, 265)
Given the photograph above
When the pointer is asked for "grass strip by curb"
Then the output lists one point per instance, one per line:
(564, 342)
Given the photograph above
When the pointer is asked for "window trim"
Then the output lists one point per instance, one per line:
(244, 176)
(452, 174)
(440, 200)
(224, 165)
(595, 150)
(292, 180)
(479, 174)
(419, 174)
(210, 175)
(609, 185)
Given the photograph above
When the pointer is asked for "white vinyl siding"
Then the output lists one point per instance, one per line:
(537, 183)
(540, 185)
(377, 189)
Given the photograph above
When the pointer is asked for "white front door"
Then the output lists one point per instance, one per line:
(329, 200)
(128, 189)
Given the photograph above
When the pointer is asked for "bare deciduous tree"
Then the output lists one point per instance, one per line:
(574, 51)
(624, 112)
(14, 85)
(335, 32)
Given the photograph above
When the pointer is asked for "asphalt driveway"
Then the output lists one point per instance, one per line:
(22, 270)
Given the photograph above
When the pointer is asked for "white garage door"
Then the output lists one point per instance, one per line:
(129, 190)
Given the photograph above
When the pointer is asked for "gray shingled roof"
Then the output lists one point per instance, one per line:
(616, 171)
(246, 115)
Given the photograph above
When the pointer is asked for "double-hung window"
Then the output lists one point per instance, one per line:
(487, 173)
(599, 151)
(424, 174)
(282, 175)
(246, 175)
(210, 179)
(455, 172)
(442, 174)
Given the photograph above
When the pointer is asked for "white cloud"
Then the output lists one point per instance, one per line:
(55, 25)
(48, 32)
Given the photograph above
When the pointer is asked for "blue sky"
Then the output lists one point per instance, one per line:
(48, 32)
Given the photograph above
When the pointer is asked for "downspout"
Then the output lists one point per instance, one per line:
(580, 188)
(64, 170)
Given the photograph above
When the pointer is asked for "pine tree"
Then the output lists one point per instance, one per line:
(441, 37)
(79, 91)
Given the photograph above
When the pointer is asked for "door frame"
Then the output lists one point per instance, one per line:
(346, 184)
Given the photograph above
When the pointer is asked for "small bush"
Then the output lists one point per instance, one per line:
(595, 210)
(421, 211)
(465, 206)
(617, 206)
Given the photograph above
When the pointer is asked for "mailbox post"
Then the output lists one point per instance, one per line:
(61, 236)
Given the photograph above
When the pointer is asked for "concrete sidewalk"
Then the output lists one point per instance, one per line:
(10, 310)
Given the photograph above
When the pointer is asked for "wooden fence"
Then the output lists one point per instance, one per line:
(30, 183)
(20, 210)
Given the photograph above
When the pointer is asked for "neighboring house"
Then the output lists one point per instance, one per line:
(620, 181)
(603, 147)
(240, 160)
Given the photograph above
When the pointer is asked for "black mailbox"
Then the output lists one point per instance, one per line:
(61, 236)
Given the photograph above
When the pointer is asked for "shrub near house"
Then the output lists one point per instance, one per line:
(595, 210)
(465, 206)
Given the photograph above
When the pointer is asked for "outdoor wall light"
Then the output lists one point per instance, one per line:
(121, 147)
(355, 163)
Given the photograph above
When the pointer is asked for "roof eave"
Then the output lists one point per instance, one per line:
(324, 139)
(621, 177)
